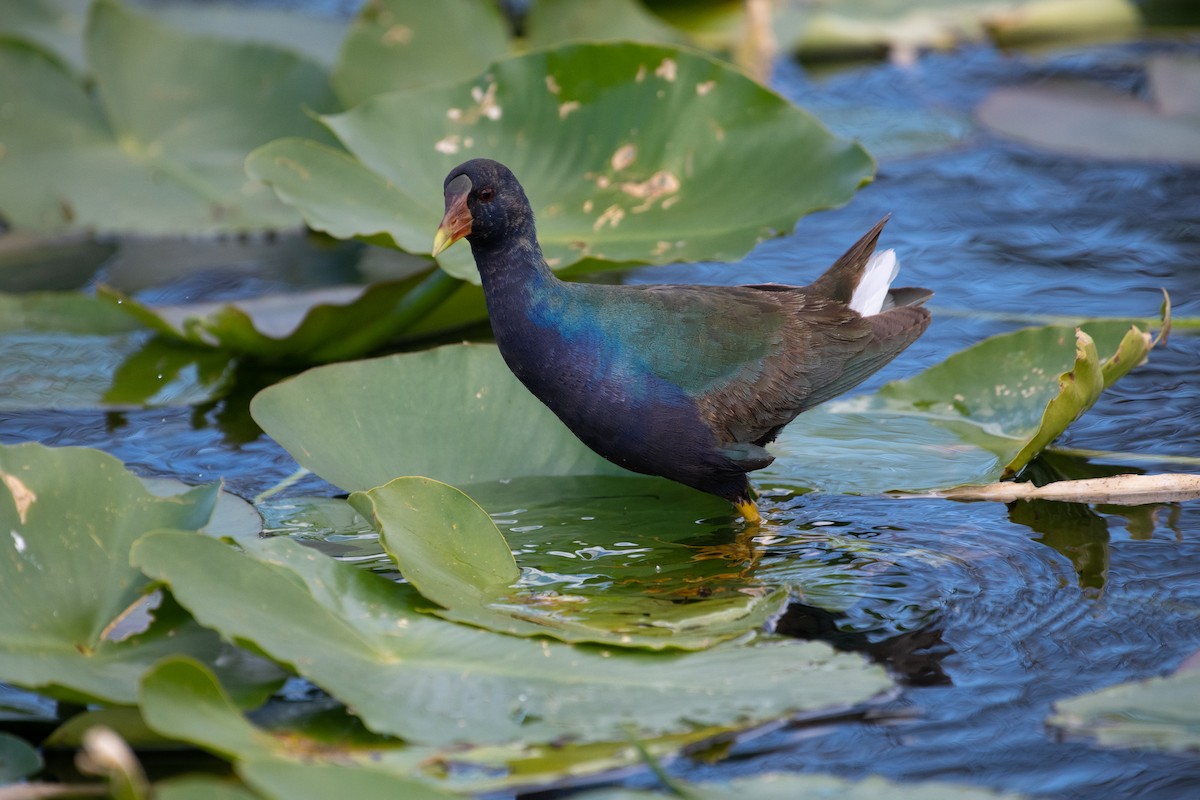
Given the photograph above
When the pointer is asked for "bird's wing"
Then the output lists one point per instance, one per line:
(696, 337)
(749, 357)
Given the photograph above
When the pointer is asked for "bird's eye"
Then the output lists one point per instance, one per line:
(486, 194)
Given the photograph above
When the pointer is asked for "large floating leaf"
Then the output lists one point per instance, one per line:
(70, 516)
(159, 148)
(1158, 714)
(430, 681)
(1091, 121)
(552, 22)
(874, 27)
(362, 423)
(396, 44)
(183, 700)
(980, 415)
(451, 551)
(571, 123)
(313, 326)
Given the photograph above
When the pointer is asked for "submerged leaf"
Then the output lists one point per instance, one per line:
(70, 516)
(604, 186)
(451, 551)
(429, 681)
(159, 148)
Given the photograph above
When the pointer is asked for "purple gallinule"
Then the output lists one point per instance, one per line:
(686, 382)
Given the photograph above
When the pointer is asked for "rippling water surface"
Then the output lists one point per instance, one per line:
(986, 613)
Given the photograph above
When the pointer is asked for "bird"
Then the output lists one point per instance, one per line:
(685, 382)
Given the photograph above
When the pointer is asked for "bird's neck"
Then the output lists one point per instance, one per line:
(512, 268)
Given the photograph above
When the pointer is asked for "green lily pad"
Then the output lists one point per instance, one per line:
(18, 759)
(429, 681)
(394, 44)
(309, 327)
(187, 703)
(605, 187)
(451, 551)
(56, 25)
(67, 312)
(71, 515)
(553, 22)
(786, 786)
(196, 787)
(856, 28)
(291, 781)
(978, 416)
(1156, 714)
(390, 416)
(159, 148)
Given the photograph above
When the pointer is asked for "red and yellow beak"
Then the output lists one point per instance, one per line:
(457, 222)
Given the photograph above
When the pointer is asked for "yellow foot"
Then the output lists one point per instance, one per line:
(749, 511)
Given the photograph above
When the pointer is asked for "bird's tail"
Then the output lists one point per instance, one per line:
(862, 279)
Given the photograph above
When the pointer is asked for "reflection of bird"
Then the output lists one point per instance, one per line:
(686, 382)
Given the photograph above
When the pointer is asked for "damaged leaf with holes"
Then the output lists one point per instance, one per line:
(605, 187)
(76, 624)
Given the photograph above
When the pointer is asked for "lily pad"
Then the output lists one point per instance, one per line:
(196, 787)
(56, 25)
(605, 186)
(187, 703)
(1156, 714)
(978, 416)
(451, 551)
(307, 327)
(552, 22)
(18, 759)
(362, 423)
(71, 515)
(1087, 120)
(159, 148)
(429, 681)
(852, 28)
(396, 44)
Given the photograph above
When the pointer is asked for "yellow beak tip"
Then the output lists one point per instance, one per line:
(441, 241)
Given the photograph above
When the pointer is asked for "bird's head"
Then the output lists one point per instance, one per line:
(484, 203)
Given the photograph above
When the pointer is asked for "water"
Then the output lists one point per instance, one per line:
(987, 614)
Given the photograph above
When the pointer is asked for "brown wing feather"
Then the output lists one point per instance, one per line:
(828, 349)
